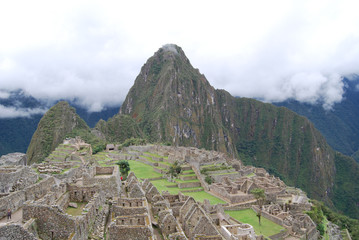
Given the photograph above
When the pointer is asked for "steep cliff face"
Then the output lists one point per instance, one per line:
(283, 142)
(58, 121)
(172, 102)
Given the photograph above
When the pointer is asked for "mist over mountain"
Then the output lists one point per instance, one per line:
(23, 113)
(340, 124)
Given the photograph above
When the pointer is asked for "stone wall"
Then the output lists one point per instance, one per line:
(82, 193)
(282, 235)
(16, 200)
(199, 176)
(15, 232)
(123, 232)
(300, 207)
(31, 227)
(13, 201)
(189, 184)
(13, 159)
(130, 206)
(38, 190)
(16, 178)
(232, 198)
(50, 221)
(52, 196)
(92, 213)
(63, 201)
(104, 170)
(110, 185)
(219, 178)
(127, 211)
(70, 174)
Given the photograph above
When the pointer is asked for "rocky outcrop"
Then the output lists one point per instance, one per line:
(13, 159)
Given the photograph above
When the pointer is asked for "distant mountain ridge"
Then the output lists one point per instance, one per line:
(16, 133)
(340, 125)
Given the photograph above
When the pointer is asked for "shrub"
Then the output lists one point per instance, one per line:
(124, 168)
(174, 169)
(208, 179)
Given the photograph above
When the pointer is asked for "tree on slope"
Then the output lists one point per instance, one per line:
(261, 197)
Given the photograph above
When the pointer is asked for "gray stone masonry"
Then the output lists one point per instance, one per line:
(15, 232)
(13, 159)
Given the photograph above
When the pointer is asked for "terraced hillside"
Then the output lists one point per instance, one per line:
(147, 165)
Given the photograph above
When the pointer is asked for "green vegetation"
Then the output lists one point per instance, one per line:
(124, 168)
(345, 194)
(120, 128)
(316, 214)
(261, 197)
(143, 170)
(201, 196)
(57, 122)
(321, 212)
(208, 179)
(340, 125)
(164, 185)
(174, 169)
(133, 141)
(267, 227)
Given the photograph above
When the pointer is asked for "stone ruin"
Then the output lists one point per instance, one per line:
(108, 208)
(13, 159)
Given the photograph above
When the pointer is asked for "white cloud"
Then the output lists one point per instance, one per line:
(12, 112)
(4, 95)
(91, 51)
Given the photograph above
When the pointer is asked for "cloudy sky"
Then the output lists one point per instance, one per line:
(91, 51)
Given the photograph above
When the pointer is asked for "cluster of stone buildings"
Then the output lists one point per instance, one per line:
(107, 208)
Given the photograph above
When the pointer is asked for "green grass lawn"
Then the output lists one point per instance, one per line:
(200, 196)
(267, 227)
(162, 184)
(186, 181)
(143, 170)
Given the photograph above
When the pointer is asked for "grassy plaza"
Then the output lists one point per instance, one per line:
(267, 227)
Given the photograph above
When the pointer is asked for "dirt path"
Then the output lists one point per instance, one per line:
(16, 217)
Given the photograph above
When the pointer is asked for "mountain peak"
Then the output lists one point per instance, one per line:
(58, 121)
(170, 48)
